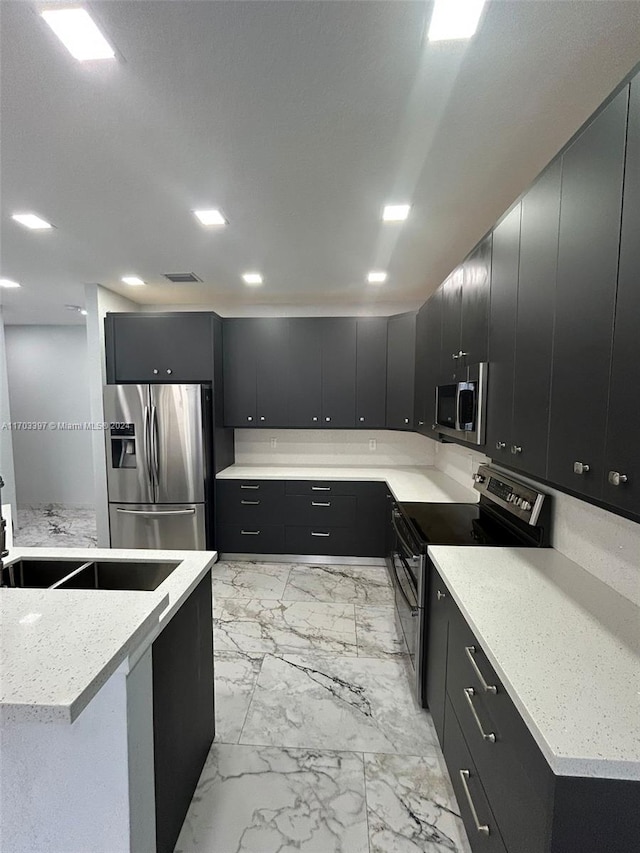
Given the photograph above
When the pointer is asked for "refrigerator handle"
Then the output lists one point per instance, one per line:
(147, 458)
(155, 456)
(152, 513)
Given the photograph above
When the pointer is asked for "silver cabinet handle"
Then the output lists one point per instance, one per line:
(249, 503)
(462, 353)
(455, 356)
(469, 693)
(262, 418)
(615, 478)
(155, 371)
(420, 423)
(580, 468)
(441, 595)
(149, 513)
(488, 688)
(327, 419)
(320, 503)
(480, 827)
(249, 417)
(406, 420)
(320, 488)
(314, 419)
(250, 533)
(248, 486)
(169, 371)
(500, 445)
(361, 420)
(515, 449)
(313, 533)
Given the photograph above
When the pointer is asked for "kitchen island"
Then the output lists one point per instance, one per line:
(106, 703)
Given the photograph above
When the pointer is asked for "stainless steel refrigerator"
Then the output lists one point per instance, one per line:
(159, 473)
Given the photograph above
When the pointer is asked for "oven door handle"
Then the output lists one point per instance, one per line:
(412, 607)
(408, 549)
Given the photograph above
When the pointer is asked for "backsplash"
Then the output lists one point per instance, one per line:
(333, 447)
(605, 544)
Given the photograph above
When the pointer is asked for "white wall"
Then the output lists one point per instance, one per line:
(6, 436)
(48, 382)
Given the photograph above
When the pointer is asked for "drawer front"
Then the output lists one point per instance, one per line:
(514, 773)
(325, 541)
(475, 810)
(264, 490)
(328, 487)
(250, 539)
(323, 509)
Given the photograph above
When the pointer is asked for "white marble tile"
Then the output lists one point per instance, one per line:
(249, 579)
(378, 633)
(235, 678)
(282, 627)
(358, 584)
(361, 704)
(411, 807)
(56, 526)
(272, 800)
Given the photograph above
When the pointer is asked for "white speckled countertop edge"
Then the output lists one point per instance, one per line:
(64, 700)
(565, 759)
(406, 483)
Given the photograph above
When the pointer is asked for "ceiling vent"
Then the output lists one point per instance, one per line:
(182, 277)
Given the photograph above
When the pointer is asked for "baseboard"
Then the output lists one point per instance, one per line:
(304, 558)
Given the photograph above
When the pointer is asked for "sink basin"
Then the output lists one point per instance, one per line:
(94, 574)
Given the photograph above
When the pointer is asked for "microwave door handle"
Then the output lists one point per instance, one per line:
(458, 398)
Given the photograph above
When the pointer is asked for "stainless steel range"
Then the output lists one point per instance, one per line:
(509, 513)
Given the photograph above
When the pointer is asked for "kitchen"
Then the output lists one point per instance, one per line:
(359, 435)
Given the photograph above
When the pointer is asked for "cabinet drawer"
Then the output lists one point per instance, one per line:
(318, 487)
(324, 509)
(250, 539)
(515, 774)
(263, 490)
(481, 827)
(326, 541)
(250, 502)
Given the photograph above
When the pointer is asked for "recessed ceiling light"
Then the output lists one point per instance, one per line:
(376, 277)
(79, 34)
(6, 282)
(252, 278)
(30, 220)
(454, 19)
(395, 212)
(133, 280)
(210, 217)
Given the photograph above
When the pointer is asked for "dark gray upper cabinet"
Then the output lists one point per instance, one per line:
(371, 372)
(338, 336)
(451, 324)
(623, 449)
(502, 336)
(172, 347)
(428, 355)
(590, 219)
(304, 374)
(239, 346)
(401, 362)
(270, 341)
(534, 324)
(474, 317)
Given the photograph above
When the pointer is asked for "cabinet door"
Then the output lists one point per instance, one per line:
(590, 213)
(271, 343)
(428, 365)
(304, 376)
(338, 372)
(623, 448)
(420, 392)
(474, 318)
(371, 372)
(401, 363)
(239, 353)
(502, 336)
(451, 324)
(437, 638)
(160, 348)
(534, 323)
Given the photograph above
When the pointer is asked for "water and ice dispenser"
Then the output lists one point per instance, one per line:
(123, 446)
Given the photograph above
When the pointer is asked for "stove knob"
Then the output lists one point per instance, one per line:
(517, 500)
(525, 505)
(479, 478)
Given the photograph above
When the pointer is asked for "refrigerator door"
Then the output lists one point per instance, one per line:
(171, 526)
(177, 450)
(129, 473)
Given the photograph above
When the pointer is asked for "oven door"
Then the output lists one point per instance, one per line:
(405, 568)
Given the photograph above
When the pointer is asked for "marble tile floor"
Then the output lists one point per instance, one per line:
(56, 526)
(320, 746)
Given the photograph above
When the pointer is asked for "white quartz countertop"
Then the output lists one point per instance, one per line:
(566, 647)
(407, 484)
(58, 647)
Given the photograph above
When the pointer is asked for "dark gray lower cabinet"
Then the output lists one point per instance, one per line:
(183, 710)
(509, 798)
(302, 517)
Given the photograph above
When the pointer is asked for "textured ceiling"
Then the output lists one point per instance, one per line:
(299, 120)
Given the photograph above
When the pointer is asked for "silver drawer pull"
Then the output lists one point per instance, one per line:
(320, 503)
(441, 595)
(488, 688)
(320, 488)
(469, 693)
(319, 534)
(249, 503)
(246, 486)
(480, 827)
(250, 532)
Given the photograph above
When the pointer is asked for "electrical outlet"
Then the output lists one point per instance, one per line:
(372, 444)
(274, 443)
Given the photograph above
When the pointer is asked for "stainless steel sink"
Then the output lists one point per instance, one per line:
(91, 574)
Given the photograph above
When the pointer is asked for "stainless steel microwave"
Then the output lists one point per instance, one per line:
(461, 406)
